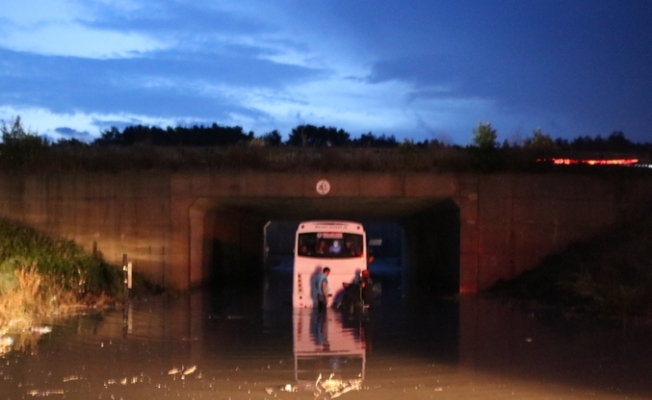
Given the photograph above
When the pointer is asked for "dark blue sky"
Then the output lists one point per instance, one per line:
(419, 69)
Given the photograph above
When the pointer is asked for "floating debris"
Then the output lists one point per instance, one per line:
(124, 381)
(183, 371)
(289, 388)
(331, 387)
(40, 329)
(43, 393)
(284, 388)
(336, 387)
(71, 378)
(6, 341)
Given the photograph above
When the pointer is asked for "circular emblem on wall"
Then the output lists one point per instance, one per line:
(323, 187)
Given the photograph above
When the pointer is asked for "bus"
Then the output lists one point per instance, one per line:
(338, 245)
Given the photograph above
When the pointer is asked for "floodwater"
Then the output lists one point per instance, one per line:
(253, 345)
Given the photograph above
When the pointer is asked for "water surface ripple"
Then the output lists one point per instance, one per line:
(208, 346)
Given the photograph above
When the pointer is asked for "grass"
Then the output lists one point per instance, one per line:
(34, 298)
(404, 158)
(76, 269)
(43, 278)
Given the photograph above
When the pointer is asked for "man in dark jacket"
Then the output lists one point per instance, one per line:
(359, 293)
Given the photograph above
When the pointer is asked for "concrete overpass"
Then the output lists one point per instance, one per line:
(462, 231)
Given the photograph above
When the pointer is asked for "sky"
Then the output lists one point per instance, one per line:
(412, 69)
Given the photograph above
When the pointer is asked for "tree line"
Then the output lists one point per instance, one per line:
(484, 137)
(215, 146)
(216, 135)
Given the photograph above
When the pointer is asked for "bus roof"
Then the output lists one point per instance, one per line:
(331, 225)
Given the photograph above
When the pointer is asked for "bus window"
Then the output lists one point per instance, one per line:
(330, 245)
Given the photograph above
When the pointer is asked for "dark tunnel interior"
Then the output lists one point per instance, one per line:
(246, 240)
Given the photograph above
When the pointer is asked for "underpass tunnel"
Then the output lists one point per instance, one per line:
(422, 235)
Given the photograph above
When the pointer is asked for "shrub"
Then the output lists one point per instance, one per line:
(76, 269)
(34, 297)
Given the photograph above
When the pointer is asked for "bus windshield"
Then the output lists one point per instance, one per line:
(330, 245)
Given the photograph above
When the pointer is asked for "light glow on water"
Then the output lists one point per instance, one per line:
(228, 345)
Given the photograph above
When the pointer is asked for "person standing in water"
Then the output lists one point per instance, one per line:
(323, 291)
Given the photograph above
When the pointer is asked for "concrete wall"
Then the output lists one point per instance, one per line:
(523, 218)
(114, 214)
(175, 226)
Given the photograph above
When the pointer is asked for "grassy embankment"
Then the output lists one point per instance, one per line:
(405, 158)
(42, 278)
(609, 275)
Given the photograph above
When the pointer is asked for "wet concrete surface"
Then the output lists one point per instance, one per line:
(245, 345)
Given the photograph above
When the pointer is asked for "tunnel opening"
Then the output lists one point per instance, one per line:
(244, 239)
(386, 268)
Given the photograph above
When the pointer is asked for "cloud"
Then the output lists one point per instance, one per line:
(60, 125)
(433, 68)
(32, 13)
(65, 28)
(66, 133)
(79, 41)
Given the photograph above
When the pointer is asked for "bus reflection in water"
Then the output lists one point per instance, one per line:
(328, 357)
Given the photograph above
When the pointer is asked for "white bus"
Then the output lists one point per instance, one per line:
(338, 245)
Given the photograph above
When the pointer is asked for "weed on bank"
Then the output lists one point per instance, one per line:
(43, 278)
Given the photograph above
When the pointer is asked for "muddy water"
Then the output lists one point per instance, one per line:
(248, 346)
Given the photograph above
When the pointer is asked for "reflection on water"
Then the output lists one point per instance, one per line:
(329, 358)
(241, 346)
